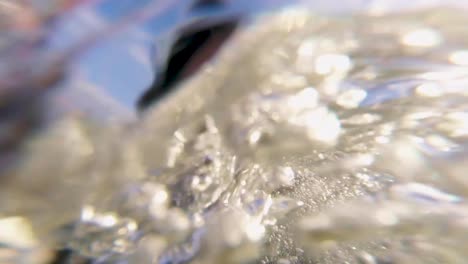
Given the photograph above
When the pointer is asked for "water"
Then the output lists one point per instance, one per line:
(311, 139)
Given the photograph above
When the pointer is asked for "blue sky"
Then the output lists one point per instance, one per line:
(120, 67)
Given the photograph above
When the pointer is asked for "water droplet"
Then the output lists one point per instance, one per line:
(201, 183)
(321, 125)
(423, 37)
(282, 205)
(285, 176)
(332, 63)
(429, 90)
(362, 119)
(459, 57)
(307, 48)
(305, 99)
(440, 143)
(351, 98)
(366, 258)
(455, 124)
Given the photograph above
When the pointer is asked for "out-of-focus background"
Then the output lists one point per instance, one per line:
(131, 39)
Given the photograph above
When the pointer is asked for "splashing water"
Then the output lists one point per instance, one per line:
(311, 139)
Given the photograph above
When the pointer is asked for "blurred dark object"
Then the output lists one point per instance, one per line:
(188, 54)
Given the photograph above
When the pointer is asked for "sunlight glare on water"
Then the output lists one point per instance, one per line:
(311, 139)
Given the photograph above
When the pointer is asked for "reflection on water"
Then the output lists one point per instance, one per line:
(312, 139)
